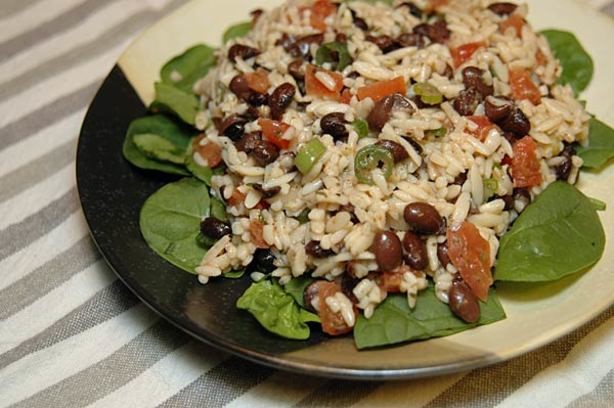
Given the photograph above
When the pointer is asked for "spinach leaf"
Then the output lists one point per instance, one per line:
(178, 136)
(598, 205)
(218, 210)
(181, 103)
(600, 147)
(234, 274)
(276, 310)
(334, 52)
(202, 173)
(237, 31)
(170, 222)
(557, 235)
(576, 62)
(185, 69)
(296, 287)
(394, 322)
(159, 148)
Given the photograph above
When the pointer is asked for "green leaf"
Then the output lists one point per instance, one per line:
(159, 148)
(185, 69)
(237, 31)
(170, 222)
(440, 132)
(598, 205)
(296, 287)
(576, 62)
(218, 209)
(275, 310)
(234, 274)
(600, 147)
(184, 104)
(557, 235)
(394, 322)
(336, 53)
(163, 127)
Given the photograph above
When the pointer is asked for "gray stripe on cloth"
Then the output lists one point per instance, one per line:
(56, 25)
(104, 305)
(489, 386)
(10, 7)
(110, 38)
(127, 363)
(338, 394)
(47, 277)
(220, 385)
(47, 115)
(601, 396)
(18, 236)
(608, 9)
(38, 169)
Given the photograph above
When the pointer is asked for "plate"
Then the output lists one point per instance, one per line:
(112, 193)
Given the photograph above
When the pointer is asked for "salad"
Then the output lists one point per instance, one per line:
(375, 167)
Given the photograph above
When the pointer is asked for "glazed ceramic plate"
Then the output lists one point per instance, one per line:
(112, 193)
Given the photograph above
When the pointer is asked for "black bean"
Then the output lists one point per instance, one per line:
(257, 99)
(448, 72)
(509, 202)
(334, 125)
(423, 218)
(264, 152)
(264, 260)
(503, 8)
(467, 101)
(460, 179)
(383, 42)
(280, 99)
(564, 169)
(388, 250)
(341, 38)
(295, 69)
(398, 152)
(348, 283)
(243, 51)
(299, 47)
(437, 32)
(510, 137)
(463, 302)
(415, 247)
(498, 108)
(313, 248)
(267, 192)
(516, 122)
(412, 8)
(380, 114)
(248, 142)
(473, 78)
(359, 22)
(410, 40)
(523, 196)
(214, 228)
(233, 127)
(442, 254)
(417, 147)
(239, 86)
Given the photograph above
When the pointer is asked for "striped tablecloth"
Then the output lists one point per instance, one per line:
(72, 335)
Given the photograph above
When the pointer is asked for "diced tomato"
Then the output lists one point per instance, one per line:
(316, 88)
(211, 152)
(332, 323)
(262, 205)
(346, 97)
(484, 126)
(470, 254)
(462, 54)
(515, 21)
(523, 87)
(319, 11)
(273, 131)
(258, 80)
(525, 166)
(256, 231)
(378, 90)
(236, 198)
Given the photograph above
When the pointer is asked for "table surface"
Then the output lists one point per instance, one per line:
(72, 335)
